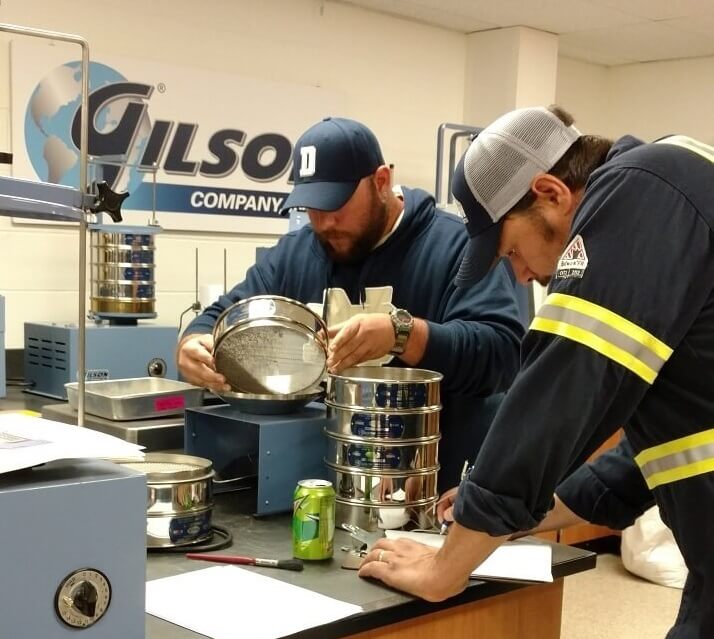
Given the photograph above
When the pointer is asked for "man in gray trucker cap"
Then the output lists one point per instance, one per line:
(496, 172)
(622, 233)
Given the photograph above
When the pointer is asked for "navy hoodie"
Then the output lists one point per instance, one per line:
(474, 333)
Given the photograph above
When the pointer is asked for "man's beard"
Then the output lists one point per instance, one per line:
(549, 235)
(372, 233)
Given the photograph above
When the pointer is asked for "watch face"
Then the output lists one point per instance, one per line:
(402, 321)
(403, 317)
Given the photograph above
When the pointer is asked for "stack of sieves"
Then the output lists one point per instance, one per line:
(123, 271)
(179, 498)
(382, 445)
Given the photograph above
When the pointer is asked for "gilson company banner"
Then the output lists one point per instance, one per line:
(209, 151)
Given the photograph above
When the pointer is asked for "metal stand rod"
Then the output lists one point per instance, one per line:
(196, 271)
(462, 130)
(83, 156)
(154, 169)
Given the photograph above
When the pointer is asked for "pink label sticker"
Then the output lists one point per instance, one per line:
(169, 403)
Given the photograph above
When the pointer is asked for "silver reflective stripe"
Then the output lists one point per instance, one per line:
(679, 459)
(597, 327)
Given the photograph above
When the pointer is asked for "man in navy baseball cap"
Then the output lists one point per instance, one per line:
(377, 263)
(329, 161)
(343, 183)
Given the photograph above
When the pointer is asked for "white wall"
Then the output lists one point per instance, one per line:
(401, 78)
(584, 90)
(652, 100)
(646, 100)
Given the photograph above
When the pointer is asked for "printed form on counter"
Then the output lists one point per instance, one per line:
(27, 441)
(226, 602)
(529, 560)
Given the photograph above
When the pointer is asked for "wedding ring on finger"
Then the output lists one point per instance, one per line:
(380, 556)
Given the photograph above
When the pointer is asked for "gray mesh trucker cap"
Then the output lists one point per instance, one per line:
(496, 172)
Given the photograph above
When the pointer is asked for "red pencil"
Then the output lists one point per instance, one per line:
(285, 564)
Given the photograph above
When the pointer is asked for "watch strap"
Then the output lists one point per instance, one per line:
(402, 330)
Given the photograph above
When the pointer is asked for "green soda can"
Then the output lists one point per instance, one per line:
(313, 519)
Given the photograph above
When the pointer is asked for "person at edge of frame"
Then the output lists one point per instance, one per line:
(622, 234)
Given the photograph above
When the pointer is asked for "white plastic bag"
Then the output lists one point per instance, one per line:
(648, 550)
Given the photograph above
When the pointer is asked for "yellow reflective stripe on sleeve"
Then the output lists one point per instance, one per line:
(690, 144)
(605, 332)
(586, 338)
(675, 446)
(679, 459)
(677, 474)
(614, 320)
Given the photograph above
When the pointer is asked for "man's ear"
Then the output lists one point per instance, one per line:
(551, 190)
(383, 180)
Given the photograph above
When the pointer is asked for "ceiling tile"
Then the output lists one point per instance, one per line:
(603, 31)
(703, 24)
(643, 42)
(434, 14)
(431, 13)
(554, 16)
(605, 58)
(658, 9)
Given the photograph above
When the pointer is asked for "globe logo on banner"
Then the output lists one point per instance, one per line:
(53, 146)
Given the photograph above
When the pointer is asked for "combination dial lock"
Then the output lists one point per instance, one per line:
(83, 597)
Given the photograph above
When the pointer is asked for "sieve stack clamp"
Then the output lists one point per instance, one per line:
(360, 538)
(361, 542)
(108, 201)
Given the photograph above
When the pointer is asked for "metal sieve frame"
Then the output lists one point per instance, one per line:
(202, 468)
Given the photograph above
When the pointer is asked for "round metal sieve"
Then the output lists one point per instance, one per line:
(159, 467)
(168, 468)
(270, 356)
(179, 498)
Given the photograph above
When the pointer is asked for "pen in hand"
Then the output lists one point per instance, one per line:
(465, 471)
(285, 564)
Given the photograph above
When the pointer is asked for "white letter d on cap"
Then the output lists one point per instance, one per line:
(307, 161)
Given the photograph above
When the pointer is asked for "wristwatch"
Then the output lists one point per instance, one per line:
(403, 322)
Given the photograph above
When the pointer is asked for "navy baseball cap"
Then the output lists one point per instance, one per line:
(496, 172)
(329, 161)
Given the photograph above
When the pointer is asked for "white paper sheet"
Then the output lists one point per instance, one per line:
(26, 441)
(229, 602)
(520, 560)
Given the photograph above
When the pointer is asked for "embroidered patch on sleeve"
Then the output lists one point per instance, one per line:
(573, 261)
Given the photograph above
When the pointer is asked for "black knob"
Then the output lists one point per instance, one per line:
(108, 201)
(157, 367)
(84, 599)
